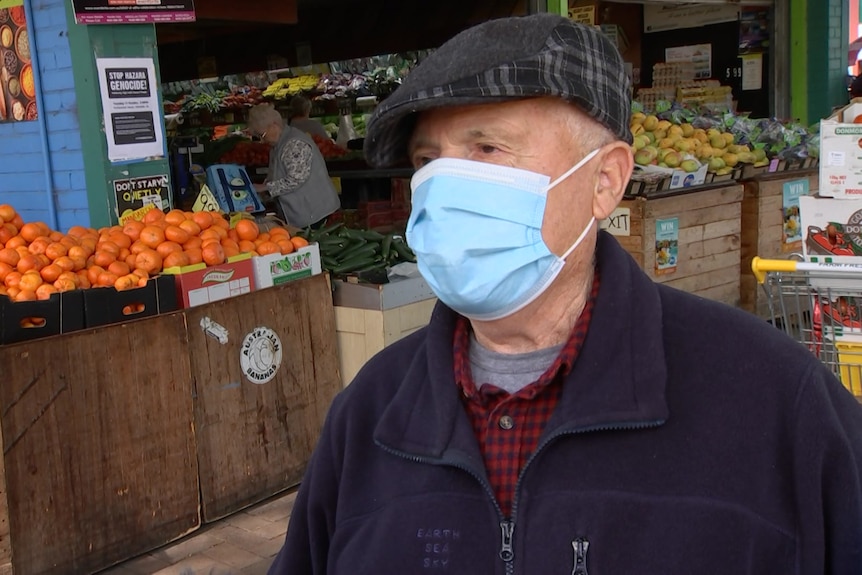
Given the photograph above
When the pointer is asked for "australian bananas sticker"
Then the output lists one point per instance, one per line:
(260, 355)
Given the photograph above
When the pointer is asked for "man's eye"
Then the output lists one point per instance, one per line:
(487, 149)
(420, 161)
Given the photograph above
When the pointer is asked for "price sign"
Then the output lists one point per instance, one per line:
(206, 201)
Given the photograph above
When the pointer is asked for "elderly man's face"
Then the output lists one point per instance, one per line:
(529, 134)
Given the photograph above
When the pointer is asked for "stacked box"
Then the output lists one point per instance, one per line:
(28, 320)
(106, 305)
(199, 284)
(276, 269)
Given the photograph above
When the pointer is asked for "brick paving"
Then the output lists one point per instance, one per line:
(244, 543)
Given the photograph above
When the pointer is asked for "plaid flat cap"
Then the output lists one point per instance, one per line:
(506, 59)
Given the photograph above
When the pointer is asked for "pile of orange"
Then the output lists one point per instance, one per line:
(36, 262)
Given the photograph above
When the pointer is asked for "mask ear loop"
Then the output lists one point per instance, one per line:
(581, 237)
(573, 169)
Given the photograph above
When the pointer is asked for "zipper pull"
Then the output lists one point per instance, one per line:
(581, 545)
(507, 554)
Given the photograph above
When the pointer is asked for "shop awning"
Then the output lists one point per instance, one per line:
(734, 2)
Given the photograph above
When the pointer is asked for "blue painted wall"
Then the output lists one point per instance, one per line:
(23, 182)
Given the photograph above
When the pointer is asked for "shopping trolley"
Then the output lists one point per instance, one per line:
(819, 305)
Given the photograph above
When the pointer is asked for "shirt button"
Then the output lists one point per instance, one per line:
(506, 422)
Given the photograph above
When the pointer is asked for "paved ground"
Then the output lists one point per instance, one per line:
(242, 544)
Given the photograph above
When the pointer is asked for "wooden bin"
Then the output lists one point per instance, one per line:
(99, 455)
(255, 437)
(709, 238)
(763, 230)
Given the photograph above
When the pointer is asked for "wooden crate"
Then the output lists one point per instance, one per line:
(763, 230)
(363, 332)
(709, 239)
(254, 438)
(98, 446)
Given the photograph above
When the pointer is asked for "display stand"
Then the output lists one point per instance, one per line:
(763, 229)
(707, 222)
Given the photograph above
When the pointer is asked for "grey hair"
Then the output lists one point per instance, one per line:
(299, 106)
(587, 133)
(262, 115)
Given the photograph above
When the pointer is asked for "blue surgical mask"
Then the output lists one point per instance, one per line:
(476, 229)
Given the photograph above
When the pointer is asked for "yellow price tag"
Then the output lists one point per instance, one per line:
(336, 182)
(235, 217)
(137, 215)
(206, 201)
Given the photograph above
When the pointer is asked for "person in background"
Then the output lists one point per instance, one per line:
(562, 413)
(298, 117)
(297, 178)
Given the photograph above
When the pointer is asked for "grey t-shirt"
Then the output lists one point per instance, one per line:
(509, 372)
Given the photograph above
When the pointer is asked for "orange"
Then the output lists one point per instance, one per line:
(176, 259)
(104, 259)
(26, 295)
(120, 239)
(142, 274)
(65, 263)
(7, 232)
(30, 231)
(78, 231)
(9, 256)
(213, 254)
(177, 234)
(154, 216)
(246, 246)
(43, 260)
(76, 252)
(267, 247)
(126, 282)
(230, 244)
(7, 213)
(5, 270)
(15, 242)
(65, 284)
(54, 236)
(119, 268)
(108, 246)
(194, 242)
(175, 217)
(231, 234)
(133, 229)
(286, 246)
(13, 279)
(262, 237)
(55, 250)
(51, 272)
(39, 245)
(298, 242)
(18, 221)
(83, 280)
(247, 230)
(138, 247)
(195, 255)
(93, 273)
(276, 231)
(107, 279)
(78, 263)
(30, 281)
(45, 291)
(167, 247)
(23, 251)
(220, 222)
(204, 220)
(89, 244)
(70, 241)
(29, 262)
(131, 260)
(221, 232)
(124, 253)
(152, 236)
(150, 261)
(191, 227)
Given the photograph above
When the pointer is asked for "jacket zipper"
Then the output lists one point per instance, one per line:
(581, 545)
(507, 527)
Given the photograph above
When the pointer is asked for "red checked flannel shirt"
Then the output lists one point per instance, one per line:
(507, 426)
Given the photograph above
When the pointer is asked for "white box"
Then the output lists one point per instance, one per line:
(276, 269)
(394, 294)
(841, 153)
(843, 242)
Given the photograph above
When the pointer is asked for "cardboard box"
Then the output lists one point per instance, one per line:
(200, 284)
(831, 229)
(841, 153)
(25, 321)
(276, 269)
(381, 296)
(105, 305)
(679, 178)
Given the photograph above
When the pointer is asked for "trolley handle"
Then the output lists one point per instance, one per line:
(761, 267)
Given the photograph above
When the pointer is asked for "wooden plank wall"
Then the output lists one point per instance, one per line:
(763, 231)
(99, 448)
(709, 240)
(255, 440)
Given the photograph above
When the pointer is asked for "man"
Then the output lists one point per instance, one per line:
(561, 413)
(297, 178)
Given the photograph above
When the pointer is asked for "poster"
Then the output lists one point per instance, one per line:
(753, 30)
(666, 245)
(18, 97)
(583, 15)
(658, 18)
(132, 11)
(791, 193)
(130, 107)
(752, 71)
(700, 55)
(135, 193)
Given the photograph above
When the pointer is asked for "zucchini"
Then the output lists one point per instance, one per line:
(371, 235)
(404, 251)
(386, 246)
(353, 264)
(366, 249)
(353, 248)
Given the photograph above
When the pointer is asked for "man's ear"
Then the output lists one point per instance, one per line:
(613, 178)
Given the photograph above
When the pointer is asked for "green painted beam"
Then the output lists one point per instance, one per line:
(799, 60)
(560, 7)
(88, 43)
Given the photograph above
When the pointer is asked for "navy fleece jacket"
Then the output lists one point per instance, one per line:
(691, 438)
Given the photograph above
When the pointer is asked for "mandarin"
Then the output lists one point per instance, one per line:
(213, 254)
(175, 259)
(152, 236)
(9, 256)
(7, 213)
(247, 230)
(150, 261)
(177, 234)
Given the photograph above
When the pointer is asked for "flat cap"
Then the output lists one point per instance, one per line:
(507, 59)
